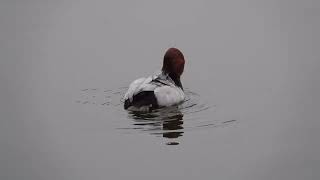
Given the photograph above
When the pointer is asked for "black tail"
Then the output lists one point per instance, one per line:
(143, 98)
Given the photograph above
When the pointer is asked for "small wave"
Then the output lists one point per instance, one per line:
(169, 122)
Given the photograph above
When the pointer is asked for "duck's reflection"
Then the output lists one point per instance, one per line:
(165, 121)
(174, 123)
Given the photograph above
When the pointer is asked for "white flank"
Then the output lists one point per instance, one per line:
(168, 95)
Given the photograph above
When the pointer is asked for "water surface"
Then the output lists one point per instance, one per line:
(167, 122)
(251, 78)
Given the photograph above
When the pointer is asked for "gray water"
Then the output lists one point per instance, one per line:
(252, 81)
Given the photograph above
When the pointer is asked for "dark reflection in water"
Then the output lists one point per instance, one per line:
(170, 123)
(167, 122)
(174, 124)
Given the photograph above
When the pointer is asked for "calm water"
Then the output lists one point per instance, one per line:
(252, 82)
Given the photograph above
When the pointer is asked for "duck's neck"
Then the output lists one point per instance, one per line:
(176, 79)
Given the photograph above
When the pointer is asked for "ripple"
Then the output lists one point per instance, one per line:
(169, 122)
(101, 96)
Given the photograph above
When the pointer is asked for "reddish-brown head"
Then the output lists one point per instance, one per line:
(173, 62)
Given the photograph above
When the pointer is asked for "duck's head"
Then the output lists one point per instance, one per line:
(173, 64)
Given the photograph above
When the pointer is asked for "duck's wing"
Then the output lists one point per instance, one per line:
(133, 88)
(162, 80)
(139, 85)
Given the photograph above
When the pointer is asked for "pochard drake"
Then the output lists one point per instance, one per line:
(160, 90)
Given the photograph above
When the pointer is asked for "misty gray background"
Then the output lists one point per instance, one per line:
(256, 60)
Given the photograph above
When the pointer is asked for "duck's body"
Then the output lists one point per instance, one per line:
(160, 90)
(153, 92)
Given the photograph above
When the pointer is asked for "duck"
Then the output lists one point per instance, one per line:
(162, 89)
